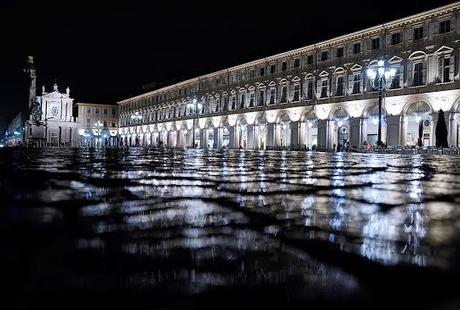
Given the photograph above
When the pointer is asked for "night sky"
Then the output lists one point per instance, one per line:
(107, 53)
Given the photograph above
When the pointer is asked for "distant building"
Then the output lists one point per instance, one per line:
(15, 132)
(98, 124)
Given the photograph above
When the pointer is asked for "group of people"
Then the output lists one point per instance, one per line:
(342, 147)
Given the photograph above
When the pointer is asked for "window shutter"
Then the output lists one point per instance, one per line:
(440, 69)
(361, 82)
(318, 88)
(350, 83)
(350, 49)
(291, 93)
(425, 30)
(401, 75)
(334, 84)
(387, 40)
(424, 72)
(409, 77)
(329, 82)
(452, 24)
(452, 68)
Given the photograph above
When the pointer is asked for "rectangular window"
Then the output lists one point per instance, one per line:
(113, 111)
(262, 72)
(418, 33)
(356, 83)
(323, 88)
(97, 110)
(88, 111)
(233, 102)
(446, 70)
(88, 122)
(242, 101)
(310, 90)
(284, 66)
(310, 59)
(396, 83)
(296, 63)
(283, 94)
(272, 95)
(444, 26)
(418, 74)
(113, 124)
(395, 38)
(252, 98)
(357, 48)
(105, 123)
(105, 111)
(296, 92)
(339, 90)
(340, 52)
(273, 69)
(324, 56)
(261, 98)
(375, 43)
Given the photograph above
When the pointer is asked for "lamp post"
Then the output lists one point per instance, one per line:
(381, 78)
(194, 106)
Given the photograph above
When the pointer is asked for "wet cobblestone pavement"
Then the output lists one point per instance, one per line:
(143, 229)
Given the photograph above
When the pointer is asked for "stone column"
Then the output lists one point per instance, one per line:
(355, 132)
(250, 137)
(270, 135)
(394, 134)
(323, 133)
(231, 135)
(217, 138)
(294, 134)
(452, 129)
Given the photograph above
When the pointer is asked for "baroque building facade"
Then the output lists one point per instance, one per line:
(316, 96)
(50, 120)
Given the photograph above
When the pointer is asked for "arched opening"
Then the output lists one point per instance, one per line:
(371, 124)
(225, 133)
(311, 131)
(340, 129)
(418, 125)
(209, 130)
(261, 132)
(285, 131)
(242, 133)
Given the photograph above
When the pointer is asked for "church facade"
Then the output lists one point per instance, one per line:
(316, 96)
(51, 121)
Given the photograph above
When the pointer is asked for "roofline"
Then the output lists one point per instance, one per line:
(440, 10)
(96, 104)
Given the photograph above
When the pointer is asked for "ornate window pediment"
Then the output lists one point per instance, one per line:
(418, 55)
(324, 74)
(309, 76)
(339, 70)
(272, 83)
(395, 60)
(296, 79)
(356, 67)
(444, 50)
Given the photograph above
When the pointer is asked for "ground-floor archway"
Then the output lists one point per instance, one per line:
(418, 125)
(340, 129)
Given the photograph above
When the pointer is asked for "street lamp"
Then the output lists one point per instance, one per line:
(381, 78)
(193, 106)
(136, 117)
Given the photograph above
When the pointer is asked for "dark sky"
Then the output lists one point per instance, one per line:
(106, 53)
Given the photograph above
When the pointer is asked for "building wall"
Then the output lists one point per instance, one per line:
(319, 93)
(98, 124)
